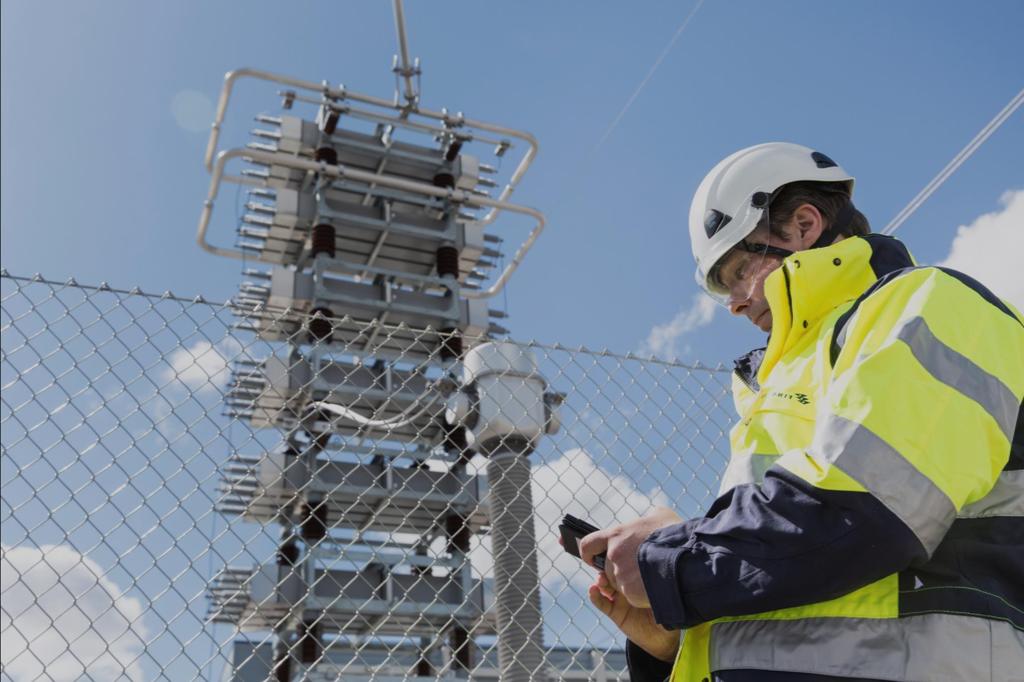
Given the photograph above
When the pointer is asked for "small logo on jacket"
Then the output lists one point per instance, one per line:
(799, 397)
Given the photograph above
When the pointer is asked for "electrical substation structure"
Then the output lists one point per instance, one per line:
(372, 252)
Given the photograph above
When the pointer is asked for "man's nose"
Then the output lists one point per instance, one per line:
(737, 304)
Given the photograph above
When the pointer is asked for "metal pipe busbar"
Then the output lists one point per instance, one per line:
(339, 92)
(342, 172)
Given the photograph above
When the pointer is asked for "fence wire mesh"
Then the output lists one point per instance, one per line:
(177, 505)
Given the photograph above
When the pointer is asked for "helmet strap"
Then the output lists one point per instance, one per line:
(765, 249)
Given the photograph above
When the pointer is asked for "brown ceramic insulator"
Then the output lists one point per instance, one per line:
(457, 530)
(451, 344)
(320, 327)
(462, 648)
(447, 261)
(331, 122)
(455, 441)
(444, 180)
(310, 647)
(323, 239)
(318, 441)
(328, 155)
(453, 151)
(283, 666)
(288, 554)
(314, 521)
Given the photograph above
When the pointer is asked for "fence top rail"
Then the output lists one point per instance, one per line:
(199, 299)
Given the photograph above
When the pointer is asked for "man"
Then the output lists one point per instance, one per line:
(869, 524)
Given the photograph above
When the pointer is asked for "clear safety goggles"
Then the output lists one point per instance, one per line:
(733, 277)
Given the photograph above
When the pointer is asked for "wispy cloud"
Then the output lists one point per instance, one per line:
(575, 484)
(663, 339)
(989, 249)
(203, 366)
(63, 619)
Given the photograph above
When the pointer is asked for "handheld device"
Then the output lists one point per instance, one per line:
(573, 530)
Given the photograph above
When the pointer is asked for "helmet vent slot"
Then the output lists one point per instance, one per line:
(822, 161)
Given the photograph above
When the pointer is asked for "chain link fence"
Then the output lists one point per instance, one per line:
(182, 500)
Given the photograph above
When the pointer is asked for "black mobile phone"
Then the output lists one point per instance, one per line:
(572, 530)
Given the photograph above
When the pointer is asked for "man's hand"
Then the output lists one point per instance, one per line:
(620, 544)
(637, 624)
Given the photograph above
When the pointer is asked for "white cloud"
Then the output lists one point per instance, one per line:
(203, 366)
(572, 484)
(193, 111)
(575, 484)
(63, 619)
(663, 339)
(989, 249)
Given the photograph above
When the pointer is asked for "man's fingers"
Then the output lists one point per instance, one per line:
(615, 610)
(604, 583)
(592, 545)
(603, 604)
(609, 575)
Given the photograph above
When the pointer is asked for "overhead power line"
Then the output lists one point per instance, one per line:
(957, 161)
(632, 98)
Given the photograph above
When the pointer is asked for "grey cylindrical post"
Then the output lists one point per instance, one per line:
(520, 630)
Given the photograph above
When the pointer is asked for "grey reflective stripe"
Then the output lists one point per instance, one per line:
(880, 468)
(961, 374)
(748, 468)
(1005, 499)
(936, 647)
(841, 337)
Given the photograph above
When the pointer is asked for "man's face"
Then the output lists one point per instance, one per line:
(743, 273)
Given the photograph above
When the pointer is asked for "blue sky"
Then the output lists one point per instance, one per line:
(101, 183)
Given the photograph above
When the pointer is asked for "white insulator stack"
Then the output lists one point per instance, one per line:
(516, 579)
(506, 410)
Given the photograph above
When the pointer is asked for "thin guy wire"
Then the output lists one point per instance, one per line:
(650, 74)
(953, 165)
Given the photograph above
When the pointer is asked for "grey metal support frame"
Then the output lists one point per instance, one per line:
(449, 194)
(340, 93)
(215, 162)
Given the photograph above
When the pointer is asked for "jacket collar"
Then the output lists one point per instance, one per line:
(746, 367)
(809, 284)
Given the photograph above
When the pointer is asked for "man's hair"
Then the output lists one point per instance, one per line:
(828, 197)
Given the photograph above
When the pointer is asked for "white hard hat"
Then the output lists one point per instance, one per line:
(732, 198)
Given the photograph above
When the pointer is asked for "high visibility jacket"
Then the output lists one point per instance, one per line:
(870, 524)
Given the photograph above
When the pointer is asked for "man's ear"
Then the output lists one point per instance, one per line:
(809, 224)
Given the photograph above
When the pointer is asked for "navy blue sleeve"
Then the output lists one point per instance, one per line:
(643, 667)
(771, 546)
